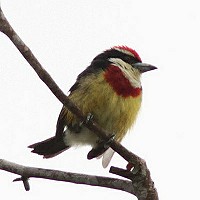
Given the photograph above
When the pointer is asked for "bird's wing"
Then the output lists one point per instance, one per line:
(60, 126)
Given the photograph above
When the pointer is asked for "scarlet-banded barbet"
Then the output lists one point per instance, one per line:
(110, 90)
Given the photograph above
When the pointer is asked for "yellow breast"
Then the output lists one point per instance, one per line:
(113, 112)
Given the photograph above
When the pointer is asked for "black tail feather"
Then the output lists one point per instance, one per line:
(50, 147)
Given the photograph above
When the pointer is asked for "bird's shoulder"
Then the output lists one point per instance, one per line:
(97, 66)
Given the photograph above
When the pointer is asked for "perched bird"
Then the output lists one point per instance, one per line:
(110, 90)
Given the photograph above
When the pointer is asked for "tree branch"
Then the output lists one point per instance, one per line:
(140, 168)
(46, 78)
(32, 172)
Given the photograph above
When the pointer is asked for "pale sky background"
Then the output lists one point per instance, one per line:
(65, 36)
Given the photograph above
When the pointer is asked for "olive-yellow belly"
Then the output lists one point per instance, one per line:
(114, 113)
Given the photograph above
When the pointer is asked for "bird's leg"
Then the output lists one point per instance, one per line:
(76, 128)
(106, 143)
(101, 147)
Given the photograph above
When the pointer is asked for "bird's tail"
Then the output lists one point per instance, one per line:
(106, 157)
(50, 147)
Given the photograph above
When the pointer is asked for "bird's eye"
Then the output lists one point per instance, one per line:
(130, 60)
(127, 58)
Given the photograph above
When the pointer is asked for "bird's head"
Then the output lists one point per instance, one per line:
(123, 68)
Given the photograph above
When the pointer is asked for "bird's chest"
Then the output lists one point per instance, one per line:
(113, 111)
(123, 81)
(116, 113)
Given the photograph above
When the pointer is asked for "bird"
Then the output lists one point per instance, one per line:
(109, 91)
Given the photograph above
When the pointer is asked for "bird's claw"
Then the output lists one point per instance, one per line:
(78, 127)
(109, 141)
(89, 117)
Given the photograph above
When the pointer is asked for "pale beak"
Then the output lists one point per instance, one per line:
(143, 67)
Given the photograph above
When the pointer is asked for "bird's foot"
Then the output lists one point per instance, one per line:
(106, 143)
(100, 148)
(89, 117)
(76, 128)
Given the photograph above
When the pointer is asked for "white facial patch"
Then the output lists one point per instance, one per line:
(133, 75)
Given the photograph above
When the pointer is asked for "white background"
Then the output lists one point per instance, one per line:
(65, 36)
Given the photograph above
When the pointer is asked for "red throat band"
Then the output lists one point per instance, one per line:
(120, 84)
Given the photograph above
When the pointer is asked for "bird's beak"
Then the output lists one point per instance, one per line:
(143, 67)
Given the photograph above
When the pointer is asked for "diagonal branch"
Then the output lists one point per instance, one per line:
(51, 84)
(140, 167)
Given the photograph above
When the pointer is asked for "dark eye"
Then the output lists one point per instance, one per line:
(129, 60)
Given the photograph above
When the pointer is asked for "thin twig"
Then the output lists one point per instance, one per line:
(22, 178)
